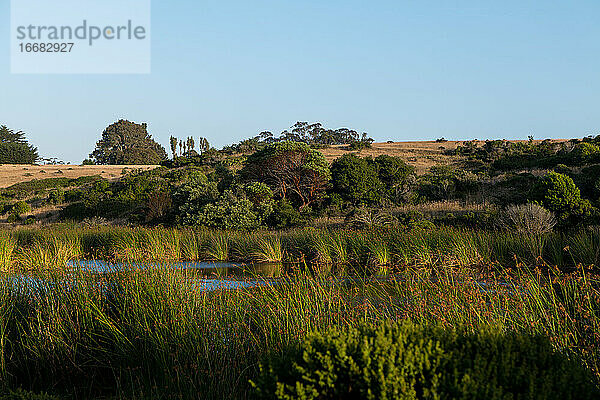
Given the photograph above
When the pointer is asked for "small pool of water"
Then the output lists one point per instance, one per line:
(226, 275)
(101, 266)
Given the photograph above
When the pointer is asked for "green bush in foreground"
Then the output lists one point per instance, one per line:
(406, 361)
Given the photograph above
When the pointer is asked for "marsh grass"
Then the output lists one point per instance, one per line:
(153, 333)
(217, 247)
(7, 248)
(267, 250)
(322, 249)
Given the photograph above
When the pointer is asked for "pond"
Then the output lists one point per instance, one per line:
(205, 275)
(101, 266)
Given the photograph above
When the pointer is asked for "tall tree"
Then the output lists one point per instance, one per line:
(203, 145)
(126, 142)
(191, 144)
(14, 148)
(292, 170)
(173, 143)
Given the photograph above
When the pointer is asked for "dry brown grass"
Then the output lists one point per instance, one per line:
(422, 154)
(11, 174)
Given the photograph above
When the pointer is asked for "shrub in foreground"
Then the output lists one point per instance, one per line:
(528, 218)
(406, 361)
(559, 194)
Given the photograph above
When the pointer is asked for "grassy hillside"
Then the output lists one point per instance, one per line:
(11, 174)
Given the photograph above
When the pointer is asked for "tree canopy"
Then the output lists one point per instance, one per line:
(355, 179)
(292, 170)
(14, 148)
(126, 142)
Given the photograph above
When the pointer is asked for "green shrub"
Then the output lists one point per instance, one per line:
(585, 153)
(406, 361)
(12, 218)
(356, 180)
(20, 207)
(284, 215)
(56, 196)
(559, 194)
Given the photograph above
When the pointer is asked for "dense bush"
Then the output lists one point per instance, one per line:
(20, 207)
(406, 361)
(584, 153)
(284, 215)
(200, 203)
(40, 186)
(56, 196)
(443, 182)
(356, 180)
(558, 193)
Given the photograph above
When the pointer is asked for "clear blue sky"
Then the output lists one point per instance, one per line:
(400, 70)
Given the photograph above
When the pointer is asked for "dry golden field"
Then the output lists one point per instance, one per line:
(421, 155)
(11, 174)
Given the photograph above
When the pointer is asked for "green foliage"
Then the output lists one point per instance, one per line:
(231, 210)
(200, 203)
(126, 142)
(138, 197)
(56, 196)
(558, 193)
(284, 215)
(360, 145)
(313, 134)
(443, 183)
(356, 180)
(407, 361)
(292, 170)
(14, 148)
(530, 154)
(393, 171)
(258, 192)
(17, 153)
(20, 207)
(584, 153)
(396, 176)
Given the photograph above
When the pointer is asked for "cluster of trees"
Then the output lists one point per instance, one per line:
(14, 148)
(125, 143)
(289, 183)
(502, 155)
(187, 148)
(313, 134)
(280, 185)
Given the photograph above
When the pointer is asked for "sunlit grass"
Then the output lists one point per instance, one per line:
(154, 332)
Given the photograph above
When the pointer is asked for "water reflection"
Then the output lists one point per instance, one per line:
(101, 266)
